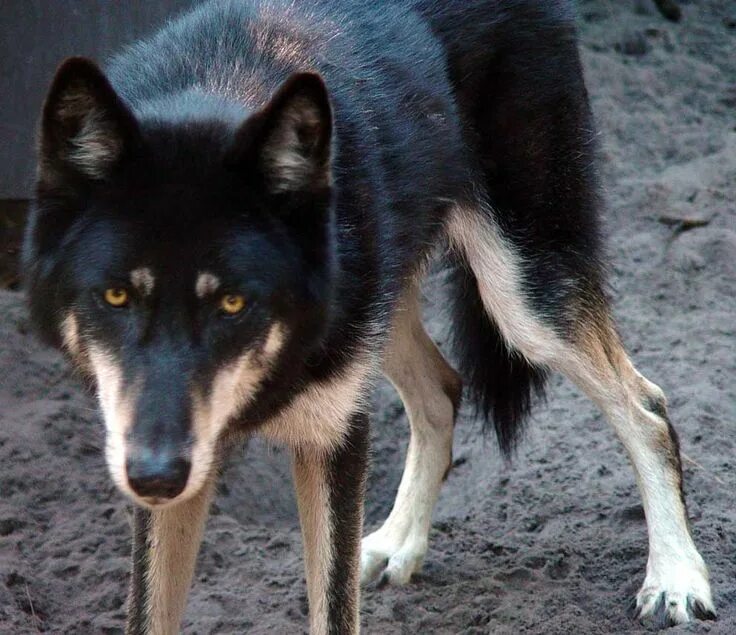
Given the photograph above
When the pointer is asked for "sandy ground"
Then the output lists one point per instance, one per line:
(554, 542)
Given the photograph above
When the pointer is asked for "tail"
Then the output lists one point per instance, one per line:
(501, 383)
(514, 66)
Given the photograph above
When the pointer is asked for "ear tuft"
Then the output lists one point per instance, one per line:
(85, 125)
(290, 139)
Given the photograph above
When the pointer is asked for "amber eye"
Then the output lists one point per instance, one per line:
(232, 303)
(116, 297)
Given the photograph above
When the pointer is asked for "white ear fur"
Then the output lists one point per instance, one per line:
(97, 144)
(292, 156)
(290, 139)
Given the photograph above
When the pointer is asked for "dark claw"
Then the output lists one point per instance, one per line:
(660, 617)
(382, 582)
(697, 609)
(633, 611)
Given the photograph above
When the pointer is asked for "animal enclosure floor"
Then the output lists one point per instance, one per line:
(554, 542)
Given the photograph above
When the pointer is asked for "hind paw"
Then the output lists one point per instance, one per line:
(389, 560)
(677, 599)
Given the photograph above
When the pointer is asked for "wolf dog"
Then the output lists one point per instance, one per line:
(229, 230)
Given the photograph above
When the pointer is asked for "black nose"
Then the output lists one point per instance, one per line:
(160, 475)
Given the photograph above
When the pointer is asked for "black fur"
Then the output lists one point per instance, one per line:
(347, 472)
(137, 622)
(520, 90)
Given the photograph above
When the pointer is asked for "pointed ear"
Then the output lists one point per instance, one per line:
(85, 126)
(288, 142)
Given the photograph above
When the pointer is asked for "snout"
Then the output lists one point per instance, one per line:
(160, 476)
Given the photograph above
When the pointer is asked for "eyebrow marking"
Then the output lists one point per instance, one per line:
(142, 280)
(207, 283)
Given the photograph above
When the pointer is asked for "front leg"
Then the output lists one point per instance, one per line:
(165, 546)
(330, 487)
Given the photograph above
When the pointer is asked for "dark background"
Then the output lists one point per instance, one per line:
(35, 35)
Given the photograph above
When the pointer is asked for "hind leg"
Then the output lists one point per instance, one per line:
(587, 349)
(430, 390)
(676, 587)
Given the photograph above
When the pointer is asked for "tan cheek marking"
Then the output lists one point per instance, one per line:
(232, 389)
(234, 386)
(274, 341)
(70, 334)
(73, 344)
(142, 279)
(118, 411)
(207, 283)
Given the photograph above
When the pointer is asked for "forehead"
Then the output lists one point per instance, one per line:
(205, 283)
(154, 253)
